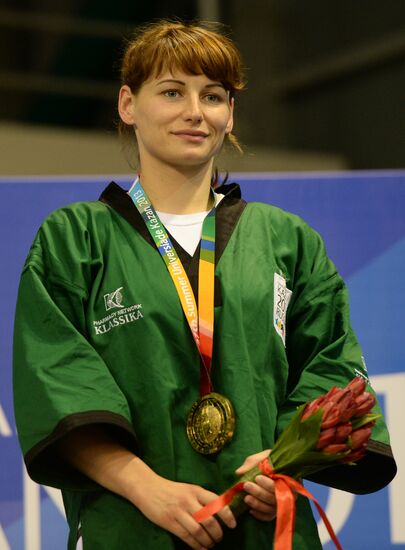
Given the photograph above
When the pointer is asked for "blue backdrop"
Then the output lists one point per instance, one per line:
(361, 216)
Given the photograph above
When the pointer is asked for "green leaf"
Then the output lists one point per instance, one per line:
(297, 439)
(359, 422)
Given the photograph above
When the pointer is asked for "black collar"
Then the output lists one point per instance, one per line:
(228, 213)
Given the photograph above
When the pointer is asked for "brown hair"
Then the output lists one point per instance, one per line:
(194, 48)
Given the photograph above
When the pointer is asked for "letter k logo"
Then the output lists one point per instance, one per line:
(114, 299)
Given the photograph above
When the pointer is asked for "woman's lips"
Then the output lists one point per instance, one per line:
(194, 136)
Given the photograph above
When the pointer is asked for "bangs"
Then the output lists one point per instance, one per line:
(195, 55)
(189, 49)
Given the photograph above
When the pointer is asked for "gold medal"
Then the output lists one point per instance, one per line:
(210, 423)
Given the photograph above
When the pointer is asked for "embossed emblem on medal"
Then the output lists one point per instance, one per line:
(210, 423)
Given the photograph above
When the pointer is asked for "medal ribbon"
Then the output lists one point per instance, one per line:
(201, 320)
(284, 487)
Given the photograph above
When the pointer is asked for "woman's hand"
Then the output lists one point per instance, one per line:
(260, 498)
(170, 505)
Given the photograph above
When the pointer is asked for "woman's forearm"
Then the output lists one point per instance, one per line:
(95, 453)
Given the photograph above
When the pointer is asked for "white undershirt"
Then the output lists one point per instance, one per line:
(186, 228)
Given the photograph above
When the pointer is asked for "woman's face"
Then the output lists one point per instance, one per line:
(179, 119)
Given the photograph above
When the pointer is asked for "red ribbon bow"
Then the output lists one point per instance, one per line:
(284, 487)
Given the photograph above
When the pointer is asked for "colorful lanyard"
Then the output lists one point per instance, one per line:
(201, 321)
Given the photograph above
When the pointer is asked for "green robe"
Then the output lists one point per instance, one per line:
(100, 337)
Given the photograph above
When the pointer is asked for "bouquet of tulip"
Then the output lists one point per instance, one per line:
(332, 429)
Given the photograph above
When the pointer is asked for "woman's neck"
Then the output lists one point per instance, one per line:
(178, 191)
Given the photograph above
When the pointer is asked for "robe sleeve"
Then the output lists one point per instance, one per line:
(60, 381)
(323, 351)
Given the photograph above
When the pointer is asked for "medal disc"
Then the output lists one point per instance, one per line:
(210, 423)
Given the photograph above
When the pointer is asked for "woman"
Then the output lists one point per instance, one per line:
(140, 407)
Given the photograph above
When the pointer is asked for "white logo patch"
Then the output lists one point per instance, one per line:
(114, 299)
(122, 315)
(282, 296)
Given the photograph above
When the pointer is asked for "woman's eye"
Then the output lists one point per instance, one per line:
(171, 93)
(213, 98)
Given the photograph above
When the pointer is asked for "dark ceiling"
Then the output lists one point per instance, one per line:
(59, 61)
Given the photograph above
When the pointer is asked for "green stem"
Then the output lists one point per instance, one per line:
(238, 505)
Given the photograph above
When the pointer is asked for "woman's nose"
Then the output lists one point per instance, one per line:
(193, 109)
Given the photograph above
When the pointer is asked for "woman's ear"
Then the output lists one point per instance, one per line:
(229, 125)
(126, 105)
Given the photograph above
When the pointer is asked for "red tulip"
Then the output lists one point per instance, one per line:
(360, 437)
(326, 437)
(332, 392)
(364, 403)
(335, 448)
(357, 386)
(339, 406)
(339, 395)
(331, 415)
(342, 432)
(312, 407)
